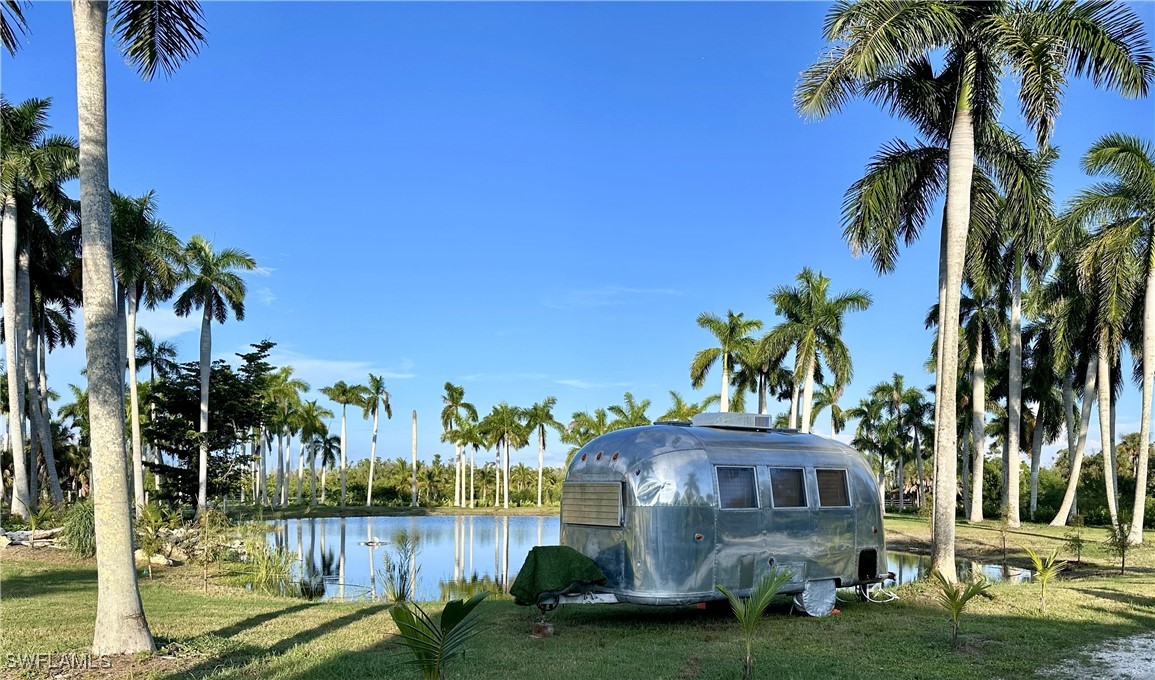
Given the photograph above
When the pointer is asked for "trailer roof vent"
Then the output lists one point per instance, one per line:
(734, 421)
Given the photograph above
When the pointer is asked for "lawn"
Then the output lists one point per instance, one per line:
(47, 605)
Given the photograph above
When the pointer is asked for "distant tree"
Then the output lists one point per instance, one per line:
(731, 332)
(346, 395)
(539, 417)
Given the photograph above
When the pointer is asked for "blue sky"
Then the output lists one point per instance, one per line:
(527, 199)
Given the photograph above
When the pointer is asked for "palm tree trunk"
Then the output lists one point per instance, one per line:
(206, 368)
(343, 458)
(540, 463)
(1064, 513)
(280, 466)
(1069, 418)
(372, 461)
(134, 405)
(1036, 454)
(120, 624)
(262, 467)
(413, 500)
(21, 503)
(808, 394)
(792, 418)
(959, 174)
(1014, 396)
(472, 474)
(1137, 510)
(505, 476)
(1105, 399)
(312, 476)
(918, 468)
(724, 405)
(324, 478)
(964, 469)
(300, 467)
(38, 393)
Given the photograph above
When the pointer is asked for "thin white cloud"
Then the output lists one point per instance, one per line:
(503, 377)
(587, 385)
(605, 296)
(164, 324)
(263, 271)
(265, 295)
(319, 371)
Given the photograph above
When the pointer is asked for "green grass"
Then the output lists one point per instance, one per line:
(47, 604)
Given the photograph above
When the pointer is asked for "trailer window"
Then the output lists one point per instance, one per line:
(832, 491)
(736, 487)
(788, 488)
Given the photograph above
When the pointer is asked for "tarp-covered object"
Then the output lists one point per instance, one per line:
(554, 570)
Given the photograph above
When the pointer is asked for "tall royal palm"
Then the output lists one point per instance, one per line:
(213, 286)
(538, 418)
(310, 419)
(453, 416)
(284, 392)
(813, 326)
(730, 332)
(153, 34)
(828, 397)
(1126, 201)
(1040, 44)
(158, 358)
(506, 426)
(33, 166)
(145, 257)
(376, 400)
(345, 395)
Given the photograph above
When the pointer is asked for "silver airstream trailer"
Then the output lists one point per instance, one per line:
(671, 510)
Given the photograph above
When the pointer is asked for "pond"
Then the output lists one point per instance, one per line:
(457, 556)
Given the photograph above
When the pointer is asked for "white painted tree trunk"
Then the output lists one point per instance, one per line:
(1014, 397)
(121, 627)
(413, 500)
(1141, 464)
(280, 479)
(472, 473)
(919, 471)
(343, 459)
(300, 468)
(540, 463)
(1065, 509)
(456, 475)
(1105, 399)
(21, 502)
(134, 404)
(808, 394)
(372, 461)
(206, 371)
(505, 476)
(959, 173)
(792, 419)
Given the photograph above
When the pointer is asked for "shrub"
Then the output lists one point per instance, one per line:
(400, 573)
(80, 529)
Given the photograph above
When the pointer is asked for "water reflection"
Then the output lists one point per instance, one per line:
(343, 558)
(908, 567)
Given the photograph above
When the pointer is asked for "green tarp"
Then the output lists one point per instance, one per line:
(554, 570)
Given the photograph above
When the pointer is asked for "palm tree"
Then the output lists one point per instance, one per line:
(506, 427)
(1126, 199)
(583, 427)
(631, 413)
(329, 446)
(33, 166)
(874, 40)
(152, 34)
(731, 332)
(813, 326)
(868, 435)
(451, 423)
(376, 396)
(828, 396)
(145, 257)
(539, 417)
(682, 411)
(471, 435)
(311, 422)
(284, 392)
(760, 369)
(345, 395)
(158, 358)
(214, 287)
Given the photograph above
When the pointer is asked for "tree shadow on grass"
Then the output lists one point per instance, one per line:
(46, 582)
(1146, 601)
(234, 656)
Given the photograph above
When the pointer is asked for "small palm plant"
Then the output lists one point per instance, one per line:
(1045, 570)
(954, 596)
(749, 610)
(436, 641)
(37, 520)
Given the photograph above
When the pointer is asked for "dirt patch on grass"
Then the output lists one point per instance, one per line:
(1130, 657)
(43, 554)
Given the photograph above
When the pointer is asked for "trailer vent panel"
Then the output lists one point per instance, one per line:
(593, 503)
